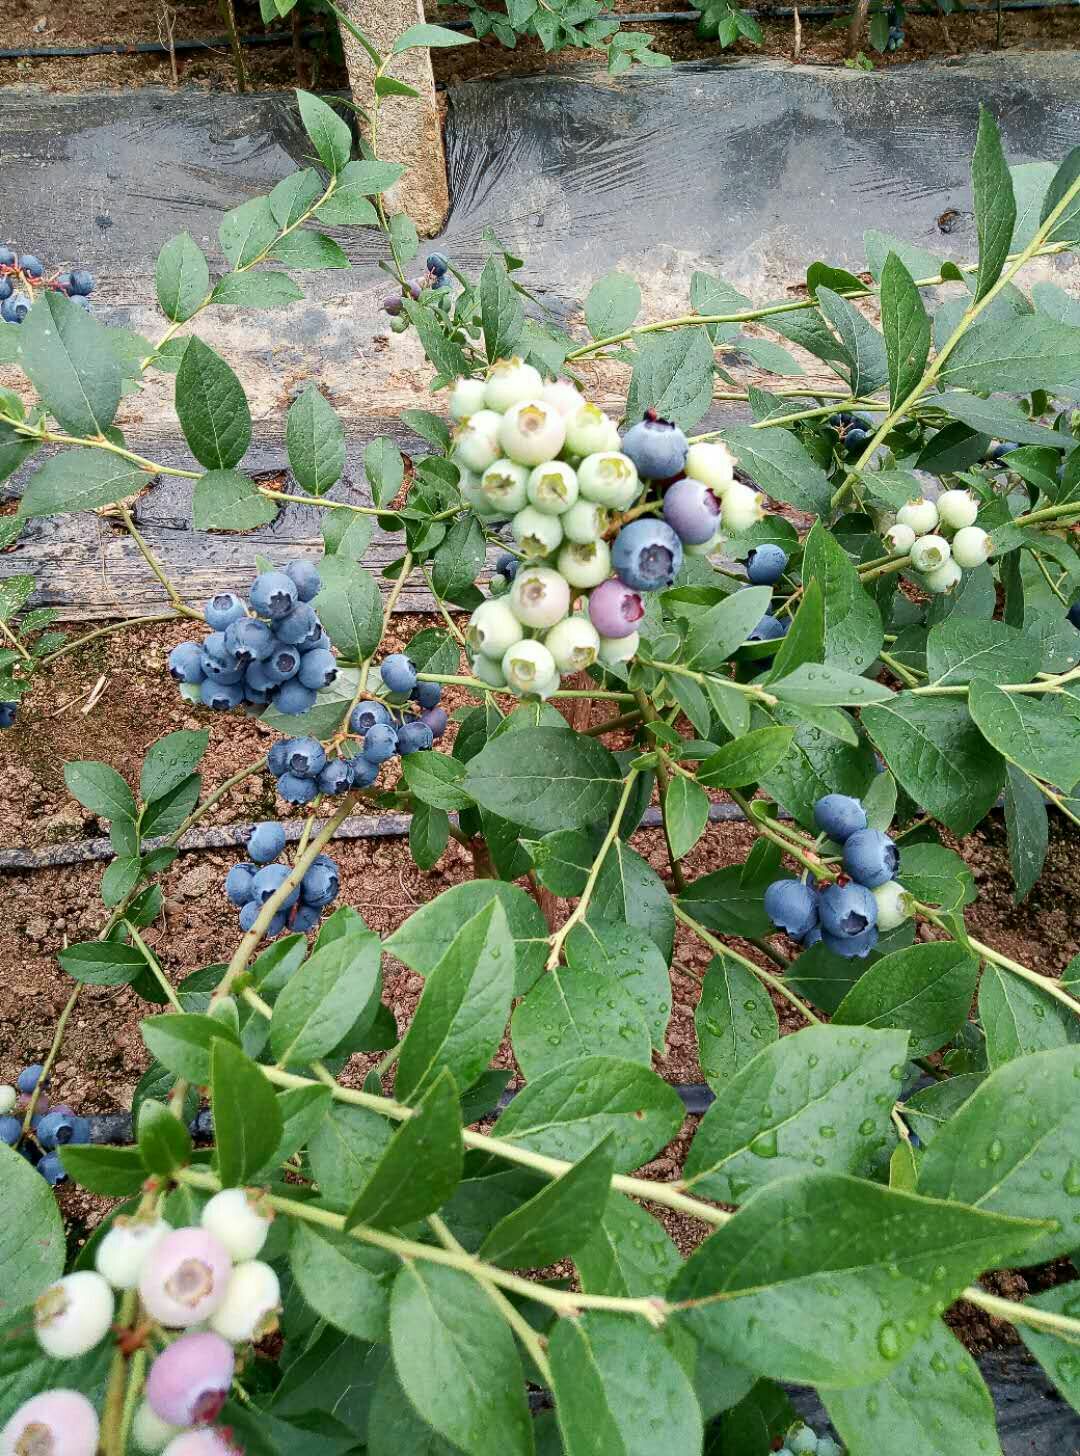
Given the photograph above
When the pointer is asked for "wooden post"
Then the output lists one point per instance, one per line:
(410, 131)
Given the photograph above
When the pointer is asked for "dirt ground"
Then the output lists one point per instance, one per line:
(27, 24)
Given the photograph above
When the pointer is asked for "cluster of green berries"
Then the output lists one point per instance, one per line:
(203, 1288)
(848, 914)
(29, 272)
(51, 1128)
(919, 532)
(271, 651)
(552, 463)
(801, 1440)
(250, 885)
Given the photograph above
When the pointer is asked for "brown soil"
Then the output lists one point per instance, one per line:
(94, 22)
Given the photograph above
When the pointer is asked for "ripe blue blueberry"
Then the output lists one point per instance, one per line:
(414, 737)
(427, 694)
(768, 629)
(365, 715)
(306, 757)
(318, 669)
(277, 925)
(507, 565)
(315, 641)
(185, 663)
(277, 760)
(295, 790)
(766, 564)
(692, 511)
(839, 816)
(437, 263)
(364, 772)
(217, 674)
(269, 880)
(1004, 448)
(293, 698)
(29, 1077)
(60, 1127)
(238, 882)
(249, 913)
(31, 266)
(320, 885)
(811, 937)
(282, 664)
(398, 673)
(304, 918)
(257, 680)
(846, 911)
(14, 309)
(7, 257)
(1074, 614)
(380, 743)
(298, 624)
(52, 1170)
(273, 594)
(657, 447)
(436, 720)
(80, 302)
(647, 555)
(81, 283)
(335, 777)
(851, 946)
(6, 288)
(265, 841)
(792, 906)
(248, 640)
(222, 609)
(7, 714)
(871, 857)
(10, 1130)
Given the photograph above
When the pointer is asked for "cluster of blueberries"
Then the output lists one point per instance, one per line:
(249, 886)
(765, 565)
(917, 532)
(204, 1284)
(30, 272)
(437, 278)
(802, 1440)
(555, 465)
(52, 1127)
(846, 915)
(854, 430)
(275, 653)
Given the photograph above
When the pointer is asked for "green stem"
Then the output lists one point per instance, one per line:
(54, 1052)
(458, 680)
(106, 632)
(6, 631)
(721, 949)
(1024, 1314)
(578, 913)
(156, 567)
(151, 960)
(624, 720)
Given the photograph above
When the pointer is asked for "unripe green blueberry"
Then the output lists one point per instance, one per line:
(900, 537)
(241, 1219)
(566, 397)
(930, 552)
(504, 486)
(971, 547)
(492, 629)
(705, 548)
(540, 597)
(957, 508)
(712, 463)
(528, 666)
(742, 507)
(894, 904)
(583, 522)
(531, 432)
(121, 1253)
(826, 1446)
(8, 1098)
(73, 1315)
(553, 488)
(149, 1432)
(476, 440)
(802, 1441)
(536, 533)
(472, 493)
(943, 578)
(466, 398)
(508, 382)
(488, 670)
(574, 644)
(590, 431)
(610, 479)
(252, 1300)
(54, 1423)
(616, 650)
(498, 585)
(920, 514)
(585, 564)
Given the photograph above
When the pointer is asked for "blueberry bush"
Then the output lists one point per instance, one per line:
(851, 612)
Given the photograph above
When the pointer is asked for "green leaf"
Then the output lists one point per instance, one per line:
(302, 1110)
(349, 605)
(394, 1426)
(391, 86)
(1020, 1019)
(100, 789)
(746, 760)
(686, 813)
(464, 1008)
(564, 1113)
(63, 353)
(925, 989)
(266, 289)
(165, 815)
(245, 232)
(603, 949)
(346, 1150)
(32, 1235)
(164, 1141)
(426, 936)
(315, 441)
(458, 560)
(805, 639)
(545, 779)
(247, 1118)
(80, 480)
(988, 1157)
(673, 374)
(934, 1401)
(1067, 227)
(816, 765)
(629, 891)
(429, 834)
(501, 312)
(308, 249)
(558, 1219)
(893, 1259)
(329, 133)
(938, 756)
(612, 305)
(114, 1172)
(865, 346)
(429, 35)
(182, 278)
(995, 205)
(577, 1010)
(343, 1280)
(183, 1042)
(734, 1019)
(225, 500)
(348, 204)
(385, 471)
(819, 1098)
(853, 630)
(619, 1389)
(817, 685)
(443, 1331)
(630, 1254)
(1048, 1347)
(170, 760)
(715, 633)
(1027, 828)
(961, 649)
(781, 466)
(446, 355)
(906, 326)
(420, 1168)
(1015, 355)
(435, 778)
(999, 417)
(120, 878)
(1038, 736)
(325, 997)
(294, 196)
(212, 408)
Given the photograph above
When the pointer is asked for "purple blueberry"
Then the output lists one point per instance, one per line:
(692, 511)
(647, 555)
(845, 911)
(765, 565)
(871, 857)
(223, 609)
(318, 669)
(335, 778)
(273, 594)
(365, 715)
(184, 1277)
(657, 447)
(414, 737)
(295, 790)
(615, 609)
(185, 663)
(392, 304)
(306, 577)
(427, 694)
(380, 743)
(839, 816)
(792, 906)
(293, 699)
(265, 842)
(436, 720)
(190, 1380)
(398, 673)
